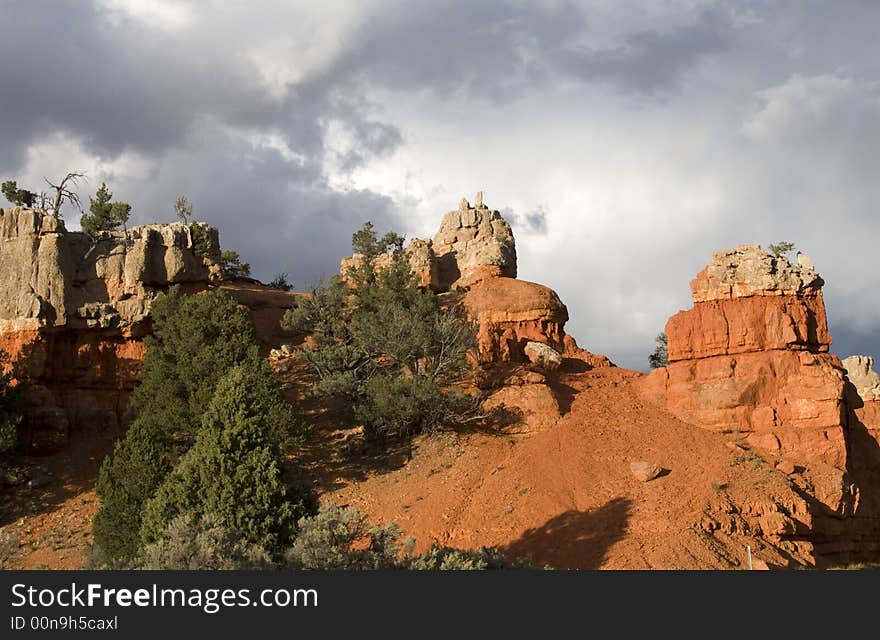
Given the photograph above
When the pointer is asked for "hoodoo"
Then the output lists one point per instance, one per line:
(751, 358)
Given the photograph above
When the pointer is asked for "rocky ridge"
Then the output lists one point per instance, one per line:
(74, 310)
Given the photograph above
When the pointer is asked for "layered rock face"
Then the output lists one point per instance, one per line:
(751, 358)
(73, 312)
(511, 313)
(751, 355)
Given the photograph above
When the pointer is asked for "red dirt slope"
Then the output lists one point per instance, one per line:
(567, 498)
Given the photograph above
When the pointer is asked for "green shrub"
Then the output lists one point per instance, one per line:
(104, 215)
(127, 479)
(781, 249)
(280, 282)
(18, 197)
(232, 266)
(449, 559)
(341, 538)
(196, 340)
(385, 344)
(660, 357)
(190, 542)
(235, 470)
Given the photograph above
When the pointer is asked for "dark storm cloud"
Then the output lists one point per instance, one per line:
(129, 88)
(649, 60)
(491, 50)
(64, 69)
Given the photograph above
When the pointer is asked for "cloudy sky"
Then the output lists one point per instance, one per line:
(625, 141)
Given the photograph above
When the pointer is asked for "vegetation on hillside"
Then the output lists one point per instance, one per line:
(385, 344)
(336, 538)
(197, 341)
(232, 266)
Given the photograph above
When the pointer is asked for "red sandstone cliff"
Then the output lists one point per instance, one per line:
(751, 359)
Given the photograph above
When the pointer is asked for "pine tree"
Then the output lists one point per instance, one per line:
(104, 215)
(235, 471)
(196, 340)
(385, 344)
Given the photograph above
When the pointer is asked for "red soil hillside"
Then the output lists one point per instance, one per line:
(566, 497)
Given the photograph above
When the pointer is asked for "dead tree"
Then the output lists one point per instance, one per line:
(64, 192)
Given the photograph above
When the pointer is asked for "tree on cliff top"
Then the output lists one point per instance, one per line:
(781, 249)
(104, 215)
(385, 344)
(183, 209)
(18, 197)
(64, 192)
(232, 266)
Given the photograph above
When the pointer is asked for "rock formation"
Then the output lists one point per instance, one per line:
(511, 313)
(73, 311)
(751, 358)
(542, 356)
(472, 259)
(418, 252)
(860, 371)
(751, 355)
(473, 243)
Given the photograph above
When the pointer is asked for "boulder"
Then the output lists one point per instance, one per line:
(511, 313)
(542, 356)
(860, 371)
(644, 471)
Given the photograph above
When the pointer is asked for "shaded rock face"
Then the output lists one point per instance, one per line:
(511, 313)
(73, 311)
